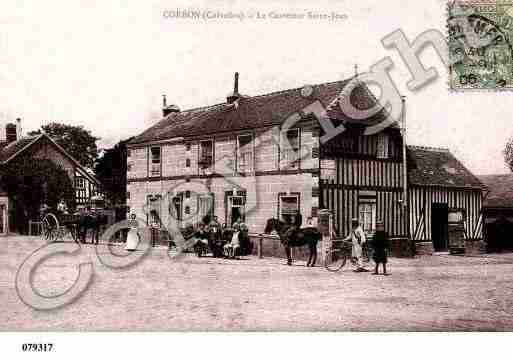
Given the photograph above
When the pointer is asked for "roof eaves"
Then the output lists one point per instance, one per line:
(15, 154)
(71, 158)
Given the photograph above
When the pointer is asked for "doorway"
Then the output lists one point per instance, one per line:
(236, 209)
(439, 226)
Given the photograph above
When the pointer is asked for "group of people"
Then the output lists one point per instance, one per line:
(380, 246)
(213, 229)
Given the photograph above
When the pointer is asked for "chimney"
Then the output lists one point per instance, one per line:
(166, 110)
(11, 132)
(19, 133)
(235, 95)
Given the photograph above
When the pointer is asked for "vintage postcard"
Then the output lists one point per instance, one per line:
(237, 166)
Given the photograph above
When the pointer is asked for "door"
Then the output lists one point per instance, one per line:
(439, 226)
(236, 210)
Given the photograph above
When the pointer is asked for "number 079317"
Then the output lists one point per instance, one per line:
(37, 347)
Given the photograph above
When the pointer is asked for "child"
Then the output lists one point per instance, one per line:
(380, 244)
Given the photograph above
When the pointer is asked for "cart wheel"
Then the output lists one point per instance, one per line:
(335, 260)
(50, 227)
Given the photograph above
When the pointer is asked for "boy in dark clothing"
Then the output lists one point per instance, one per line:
(380, 244)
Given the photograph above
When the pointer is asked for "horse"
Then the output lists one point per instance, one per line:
(93, 222)
(301, 237)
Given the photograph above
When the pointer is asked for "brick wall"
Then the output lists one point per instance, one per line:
(263, 201)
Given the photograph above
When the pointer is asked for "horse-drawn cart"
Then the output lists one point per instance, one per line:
(56, 227)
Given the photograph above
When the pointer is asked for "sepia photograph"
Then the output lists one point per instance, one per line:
(237, 167)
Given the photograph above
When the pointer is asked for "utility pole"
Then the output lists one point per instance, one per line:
(405, 165)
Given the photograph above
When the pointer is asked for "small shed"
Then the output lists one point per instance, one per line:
(498, 212)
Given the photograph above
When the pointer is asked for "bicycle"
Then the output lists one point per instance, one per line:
(340, 252)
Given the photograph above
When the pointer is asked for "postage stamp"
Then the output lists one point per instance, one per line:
(480, 45)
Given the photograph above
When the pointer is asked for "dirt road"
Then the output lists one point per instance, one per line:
(426, 293)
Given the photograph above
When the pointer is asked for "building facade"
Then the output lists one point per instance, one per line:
(261, 157)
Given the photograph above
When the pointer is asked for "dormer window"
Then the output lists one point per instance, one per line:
(155, 162)
(382, 147)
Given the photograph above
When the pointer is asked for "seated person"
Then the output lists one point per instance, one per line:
(230, 249)
(62, 208)
(200, 239)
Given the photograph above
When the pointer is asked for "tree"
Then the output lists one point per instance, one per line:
(30, 184)
(76, 140)
(508, 154)
(111, 170)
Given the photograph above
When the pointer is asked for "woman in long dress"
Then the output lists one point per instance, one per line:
(357, 238)
(231, 248)
(132, 238)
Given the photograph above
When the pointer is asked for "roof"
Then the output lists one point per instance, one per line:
(256, 112)
(428, 166)
(13, 149)
(501, 190)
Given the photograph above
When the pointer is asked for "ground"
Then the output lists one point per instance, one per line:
(426, 293)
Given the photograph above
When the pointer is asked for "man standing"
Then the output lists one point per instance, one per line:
(357, 238)
(381, 246)
(214, 225)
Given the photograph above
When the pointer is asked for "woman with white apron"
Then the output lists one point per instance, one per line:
(132, 238)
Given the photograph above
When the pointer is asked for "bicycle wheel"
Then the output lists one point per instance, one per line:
(335, 260)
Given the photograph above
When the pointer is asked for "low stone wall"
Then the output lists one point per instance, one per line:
(271, 247)
(472, 247)
(402, 248)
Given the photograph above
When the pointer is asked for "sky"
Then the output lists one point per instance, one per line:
(105, 65)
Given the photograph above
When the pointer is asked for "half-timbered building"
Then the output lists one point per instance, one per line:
(17, 147)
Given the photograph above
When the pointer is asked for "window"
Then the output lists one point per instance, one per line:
(128, 152)
(176, 208)
(187, 163)
(288, 207)
(244, 153)
(80, 182)
(128, 195)
(290, 149)
(187, 194)
(367, 216)
(382, 148)
(206, 158)
(205, 206)
(155, 161)
(188, 146)
(129, 167)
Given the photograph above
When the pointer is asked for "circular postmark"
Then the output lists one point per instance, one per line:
(480, 50)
